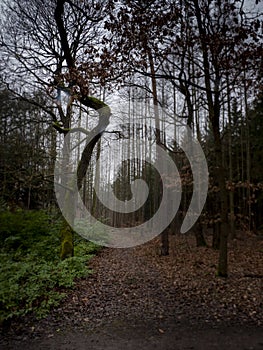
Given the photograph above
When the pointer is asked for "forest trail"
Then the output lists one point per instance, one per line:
(138, 300)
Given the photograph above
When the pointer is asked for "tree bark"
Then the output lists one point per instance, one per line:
(94, 136)
(214, 117)
(165, 233)
(199, 236)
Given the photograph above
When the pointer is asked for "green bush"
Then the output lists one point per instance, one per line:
(32, 276)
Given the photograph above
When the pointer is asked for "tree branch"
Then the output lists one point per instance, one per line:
(102, 108)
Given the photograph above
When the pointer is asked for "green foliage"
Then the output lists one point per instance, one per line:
(3, 205)
(32, 276)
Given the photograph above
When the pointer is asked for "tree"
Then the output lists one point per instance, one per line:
(202, 48)
(212, 31)
(47, 42)
(207, 51)
(149, 23)
(25, 181)
(217, 30)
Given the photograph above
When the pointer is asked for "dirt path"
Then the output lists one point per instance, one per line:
(137, 300)
(147, 338)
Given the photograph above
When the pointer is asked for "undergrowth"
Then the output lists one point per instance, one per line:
(32, 276)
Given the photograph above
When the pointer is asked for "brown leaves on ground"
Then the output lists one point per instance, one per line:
(137, 284)
(192, 271)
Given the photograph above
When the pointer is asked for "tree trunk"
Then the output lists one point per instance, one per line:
(231, 193)
(213, 102)
(223, 258)
(216, 235)
(165, 242)
(67, 247)
(164, 234)
(199, 235)
(95, 134)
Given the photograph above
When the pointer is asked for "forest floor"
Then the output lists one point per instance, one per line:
(138, 300)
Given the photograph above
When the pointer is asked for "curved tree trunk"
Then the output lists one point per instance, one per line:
(104, 113)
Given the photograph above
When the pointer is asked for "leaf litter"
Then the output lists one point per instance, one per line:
(137, 286)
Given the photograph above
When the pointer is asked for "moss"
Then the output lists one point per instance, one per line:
(96, 104)
(67, 249)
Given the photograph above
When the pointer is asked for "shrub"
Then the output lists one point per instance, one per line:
(32, 275)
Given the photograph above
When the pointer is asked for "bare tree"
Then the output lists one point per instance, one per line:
(46, 44)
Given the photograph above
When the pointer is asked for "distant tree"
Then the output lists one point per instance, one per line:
(202, 48)
(26, 162)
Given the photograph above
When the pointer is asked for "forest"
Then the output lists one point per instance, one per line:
(131, 171)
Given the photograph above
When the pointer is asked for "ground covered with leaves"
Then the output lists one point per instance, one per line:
(137, 299)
